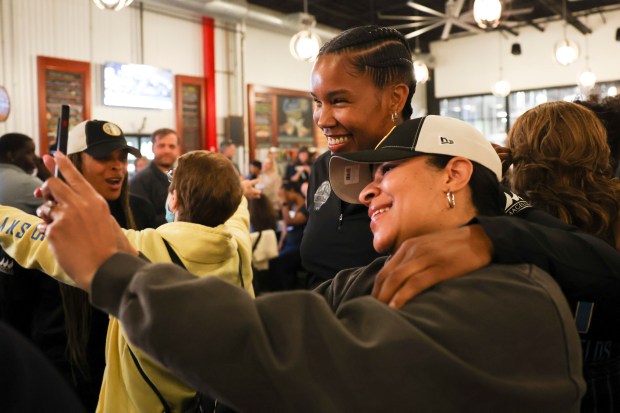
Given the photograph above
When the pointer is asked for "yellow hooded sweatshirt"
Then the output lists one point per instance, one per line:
(204, 251)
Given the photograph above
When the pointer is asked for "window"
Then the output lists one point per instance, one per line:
(494, 115)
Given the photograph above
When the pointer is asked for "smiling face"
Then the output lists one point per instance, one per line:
(350, 110)
(405, 199)
(106, 174)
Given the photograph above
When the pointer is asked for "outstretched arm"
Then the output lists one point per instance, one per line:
(21, 240)
(337, 358)
(583, 265)
(307, 356)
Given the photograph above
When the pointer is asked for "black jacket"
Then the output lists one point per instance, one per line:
(152, 184)
(29, 383)
(337, 235)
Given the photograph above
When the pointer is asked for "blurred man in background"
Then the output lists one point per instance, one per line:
(152, 183)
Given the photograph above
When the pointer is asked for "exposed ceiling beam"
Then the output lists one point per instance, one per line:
(570, 19)
(536, 25)
(510, 30)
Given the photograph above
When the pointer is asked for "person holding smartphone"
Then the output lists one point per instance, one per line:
(501, 338)
(207, 232)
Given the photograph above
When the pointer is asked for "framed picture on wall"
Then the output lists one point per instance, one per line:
(281, 118)
(190, 111)
(61, 82)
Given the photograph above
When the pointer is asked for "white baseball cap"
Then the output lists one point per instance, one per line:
(429, 135)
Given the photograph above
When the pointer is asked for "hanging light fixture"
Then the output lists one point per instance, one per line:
(587, 79)
(566, 51)
(420, 70)
(115, 5)
(501, 87)
(305, 45)
(487, 13)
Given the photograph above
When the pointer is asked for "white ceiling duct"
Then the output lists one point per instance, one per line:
(240, 10)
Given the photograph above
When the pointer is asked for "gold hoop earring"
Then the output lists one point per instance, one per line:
(450, 197)
(394, 117)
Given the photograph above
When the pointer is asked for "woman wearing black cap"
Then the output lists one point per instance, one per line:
(207, 232)
(99, 151)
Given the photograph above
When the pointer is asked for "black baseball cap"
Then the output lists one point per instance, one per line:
(98, 138)
(429, 135)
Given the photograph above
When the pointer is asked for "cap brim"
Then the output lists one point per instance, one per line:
(106, 148)
(348, 175)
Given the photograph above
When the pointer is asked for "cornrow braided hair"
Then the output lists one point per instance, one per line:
(379, 52)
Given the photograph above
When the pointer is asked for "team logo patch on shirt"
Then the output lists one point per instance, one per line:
(111, 129)
(321, 195)
(514, 203)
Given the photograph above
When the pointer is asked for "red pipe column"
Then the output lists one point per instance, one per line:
(208, 44)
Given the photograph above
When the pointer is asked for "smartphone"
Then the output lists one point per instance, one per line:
(62, 133)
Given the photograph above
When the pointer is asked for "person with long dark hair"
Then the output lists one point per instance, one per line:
(99, 151)
(362, 85)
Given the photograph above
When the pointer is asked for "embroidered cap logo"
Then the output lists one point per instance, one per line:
(111, 129)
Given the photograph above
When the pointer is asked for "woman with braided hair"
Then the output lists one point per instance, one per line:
(362, 85)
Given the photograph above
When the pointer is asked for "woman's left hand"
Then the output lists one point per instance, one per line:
(421, 262)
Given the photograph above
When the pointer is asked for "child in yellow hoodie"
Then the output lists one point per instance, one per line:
(208, 230)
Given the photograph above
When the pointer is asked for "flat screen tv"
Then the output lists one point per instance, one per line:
(137, 86)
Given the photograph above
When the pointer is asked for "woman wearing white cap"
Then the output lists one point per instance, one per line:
(362, 84)
(500, 339)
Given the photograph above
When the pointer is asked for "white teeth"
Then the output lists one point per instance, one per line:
(379, 211)
(337, 141)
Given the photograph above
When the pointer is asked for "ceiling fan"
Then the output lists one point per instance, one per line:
(453, 15)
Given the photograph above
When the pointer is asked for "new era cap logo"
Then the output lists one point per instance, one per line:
(445, 141)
